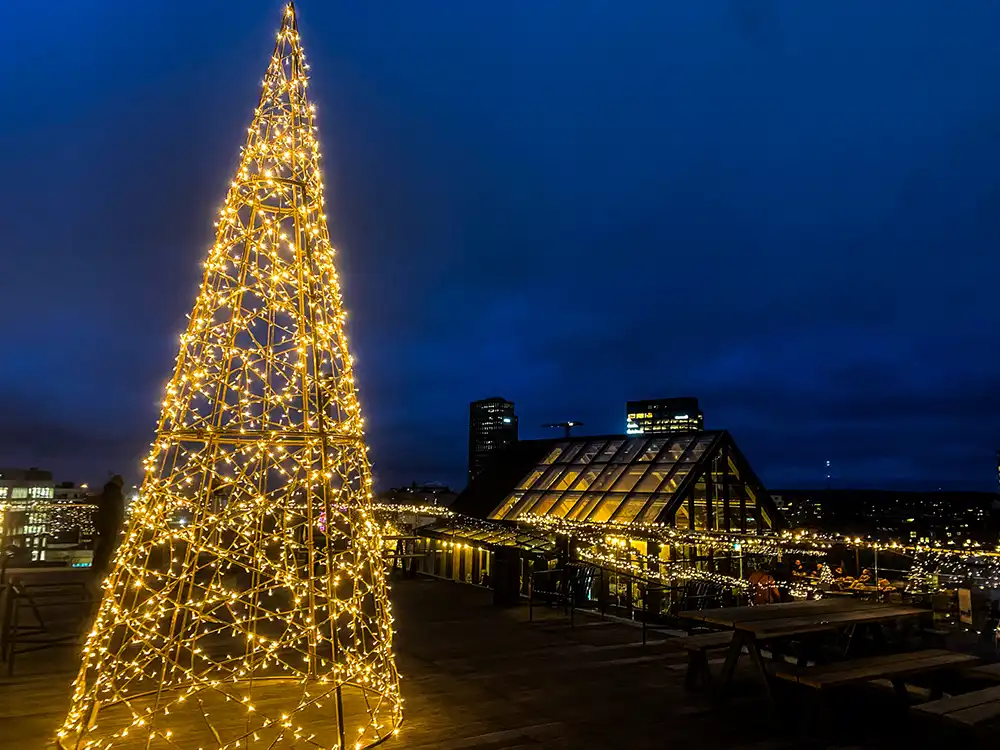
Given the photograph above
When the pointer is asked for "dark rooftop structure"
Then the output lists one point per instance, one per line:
(695, 480)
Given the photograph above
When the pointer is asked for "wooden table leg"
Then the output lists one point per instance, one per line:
(755, 656)
(697, 671)
(732, 657)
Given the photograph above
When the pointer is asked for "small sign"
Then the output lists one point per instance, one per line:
(965, 606)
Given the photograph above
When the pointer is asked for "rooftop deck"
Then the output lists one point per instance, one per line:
(478, 677)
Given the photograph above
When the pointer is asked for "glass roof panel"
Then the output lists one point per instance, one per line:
(566, 502)
(530, 479)
(653, 447)
(504, 509)
(565, 481)
(518, 508)
(570, 453)
(606, 508)
(586, 454)
(628, 510)
(652, 480)
(629, 477)
(583, 506)
(632, 447)
(550, 476)
(677, 448)
(609, 450)
(528, 506)
(587, 477)
(664, 496)
(607, 477)
(554, 453)
(545, 503)
(701, 446)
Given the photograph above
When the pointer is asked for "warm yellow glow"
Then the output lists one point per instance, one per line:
(248, 605)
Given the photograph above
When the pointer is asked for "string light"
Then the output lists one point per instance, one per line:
(253, 623)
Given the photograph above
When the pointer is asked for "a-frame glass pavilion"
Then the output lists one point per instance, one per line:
(693, 480)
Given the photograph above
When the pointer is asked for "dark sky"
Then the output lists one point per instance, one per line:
(788, 209)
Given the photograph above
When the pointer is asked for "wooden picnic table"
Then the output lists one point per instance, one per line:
(775, 622)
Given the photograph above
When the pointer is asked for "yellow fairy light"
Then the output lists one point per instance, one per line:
(251, 573)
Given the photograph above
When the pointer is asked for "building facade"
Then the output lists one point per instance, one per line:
(23, 485)
(663, 415)
(942, 517)
(492, 427)
(41, 521)
(432, 494)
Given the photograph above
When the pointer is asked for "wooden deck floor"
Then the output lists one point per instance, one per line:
(481, 678)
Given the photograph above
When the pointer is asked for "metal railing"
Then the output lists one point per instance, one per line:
(626, 595)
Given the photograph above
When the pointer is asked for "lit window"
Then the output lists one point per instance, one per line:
(19, 493)
(40, 492)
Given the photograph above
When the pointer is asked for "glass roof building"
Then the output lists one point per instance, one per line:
(692, 480)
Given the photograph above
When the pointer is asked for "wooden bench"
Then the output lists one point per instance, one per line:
(969, 709)
(893, 667)
(986, 672)
(698, 647)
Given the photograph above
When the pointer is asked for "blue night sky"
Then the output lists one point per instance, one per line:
(787, 209)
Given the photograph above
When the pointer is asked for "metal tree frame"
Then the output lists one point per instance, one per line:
(248, 605)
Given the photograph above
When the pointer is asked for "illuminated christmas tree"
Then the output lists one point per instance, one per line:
(248, 606)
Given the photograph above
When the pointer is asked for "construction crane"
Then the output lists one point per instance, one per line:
(567, 426)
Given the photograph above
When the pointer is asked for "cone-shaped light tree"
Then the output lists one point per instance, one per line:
(247, 606)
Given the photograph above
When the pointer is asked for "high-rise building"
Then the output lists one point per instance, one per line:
(657, 416)
(492, 427)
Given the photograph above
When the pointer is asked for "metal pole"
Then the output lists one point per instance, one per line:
(878, 594)
(531, 595)
(645, 612)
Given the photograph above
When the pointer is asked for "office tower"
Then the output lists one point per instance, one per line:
(492, 427)
(661, 415)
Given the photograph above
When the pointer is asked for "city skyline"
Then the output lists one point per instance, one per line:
(606, 214)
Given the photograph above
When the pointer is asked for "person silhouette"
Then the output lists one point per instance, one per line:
(108, 524)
